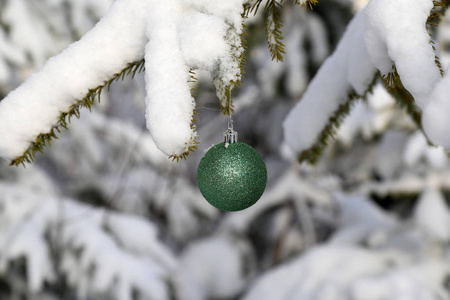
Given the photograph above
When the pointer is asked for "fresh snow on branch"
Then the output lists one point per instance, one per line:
(350, 272)
(348, 69)
(343, 269)
(168, 34)
(384, 35)
(395, 34)
(170, 105)
(369, 222)
(99, 250)
(214, 278)
(36, 105)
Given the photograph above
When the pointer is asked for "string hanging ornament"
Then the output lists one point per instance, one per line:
(232, 175)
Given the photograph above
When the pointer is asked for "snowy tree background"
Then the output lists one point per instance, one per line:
(105, 215)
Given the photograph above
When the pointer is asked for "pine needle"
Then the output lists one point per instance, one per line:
(273, 24)
(88, 101)
(313, 154)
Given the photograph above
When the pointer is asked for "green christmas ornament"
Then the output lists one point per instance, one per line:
(232, 176)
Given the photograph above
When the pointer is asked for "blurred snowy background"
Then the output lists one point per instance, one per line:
(104, 215)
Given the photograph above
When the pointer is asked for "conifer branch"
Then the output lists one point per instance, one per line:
(307, 3)
(402, 96)
(439, 7)
(394, 86)
(393, 81)
(436, 13)
(273, 24)
(251, 7)
(224, 89)
(88, 101)
(313, 154)
(192, 145)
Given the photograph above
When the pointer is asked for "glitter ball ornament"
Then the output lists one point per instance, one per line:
(232, 176)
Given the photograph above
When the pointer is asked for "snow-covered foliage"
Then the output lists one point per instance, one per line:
(152, 30)
(348, 69)
(105, 215)
(98, 251)
(395, 35)
(386, 36)
(31, 32)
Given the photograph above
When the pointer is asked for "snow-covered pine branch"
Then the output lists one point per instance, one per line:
(131, 256)
(396, 35)
(390, 36)
(174, 37)
(36, 106)
(345, 76)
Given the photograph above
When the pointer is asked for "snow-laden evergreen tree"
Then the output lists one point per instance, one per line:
(104, 214)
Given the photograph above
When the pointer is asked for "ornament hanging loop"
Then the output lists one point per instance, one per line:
(230, 136)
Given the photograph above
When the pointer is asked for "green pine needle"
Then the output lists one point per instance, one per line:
(402, 96)
(224, 89)
(309, 3)
(88, 101)
(313, 154)
(393, 84)
(273, 24)
(439, 7)
(191, 147)
(251, 7)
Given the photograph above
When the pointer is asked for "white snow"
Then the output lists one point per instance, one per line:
(35, 106)
(290, 186)
(368, 118)
(384, 34)
(39, 46)
(395, 34)
(80, 19)
(435, 119)
(142, 240)
(359, 219)
(28, 216)
(10, 53)
(414, 149)
(349, 68)
(173, 36)
(211, 268)
(318, 272)
(389, 157)
(359, 4)
(35, 31)
(406, 284)
(229, 11)
(364, 252)
(417, 148)
(195, 29)
(170, 105)
(30, 245)
(297, 76)
(432, 214)
(348, 270)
